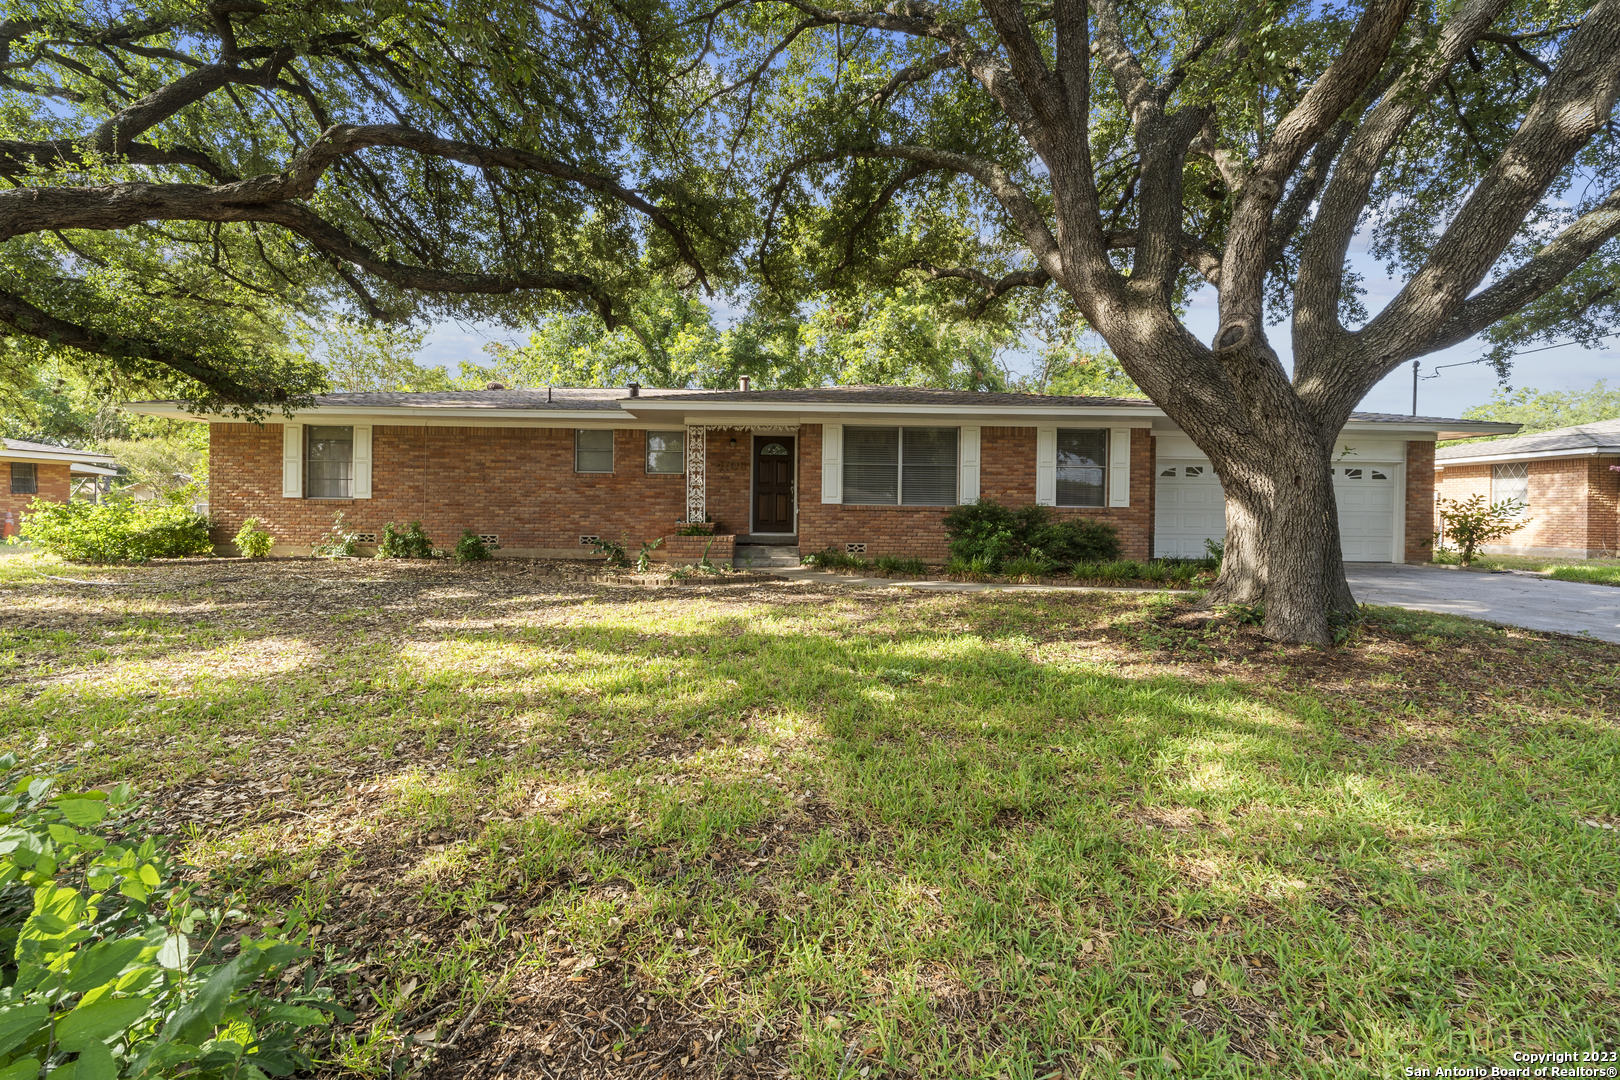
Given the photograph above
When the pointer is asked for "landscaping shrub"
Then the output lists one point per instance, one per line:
(613, 549)
(695, 528)
(895, 566)
(644, 557)
(412, 543)
(118, 531)
(828, 559)
(988, 531)
(470, 548)
(253, 540)
(978, 568)
(1474, 521)
(337, 542)
(114, 968)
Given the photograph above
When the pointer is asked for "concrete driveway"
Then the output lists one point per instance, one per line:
(1568, 607)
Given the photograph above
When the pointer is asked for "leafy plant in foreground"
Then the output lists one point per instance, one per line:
(986, 530)
(115, 971)
(472, 548)
(644, 557)
(614, 550)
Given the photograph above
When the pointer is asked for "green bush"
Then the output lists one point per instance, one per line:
(337, 543)
(1476, 521)
(615, 550)
(985, 530)
(253, 540)
(113, 969)
(696, 528)
(828, 559)
(471, 549)
(975, 569)
(118, 531)
(411, 543)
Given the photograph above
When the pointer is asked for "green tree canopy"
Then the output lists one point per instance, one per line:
(1118, 156)
(1544, 410)
(185, 174)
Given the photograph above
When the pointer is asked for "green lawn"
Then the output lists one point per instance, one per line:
(819, 831)
(1596, 571)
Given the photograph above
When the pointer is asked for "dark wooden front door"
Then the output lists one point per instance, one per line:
(773, 484)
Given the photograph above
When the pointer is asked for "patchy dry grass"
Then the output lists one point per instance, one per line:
(563, 829)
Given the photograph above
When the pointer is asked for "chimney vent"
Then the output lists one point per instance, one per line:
(635, 389)
(495, 386)
(742, 384)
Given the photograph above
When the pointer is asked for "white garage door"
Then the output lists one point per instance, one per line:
(1189, 507)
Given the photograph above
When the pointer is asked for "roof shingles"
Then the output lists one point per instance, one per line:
(1601, 437)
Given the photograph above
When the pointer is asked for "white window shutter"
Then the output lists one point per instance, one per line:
(1046, 466)
(292, 461)
(362, 461)
(1119, 466)
(832, 463)
(968, 490)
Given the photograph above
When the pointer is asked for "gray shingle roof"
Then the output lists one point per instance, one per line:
(894, 395)
(1601, 437)
(23, 446)
(555, 400)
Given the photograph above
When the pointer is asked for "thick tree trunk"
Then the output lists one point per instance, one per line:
(1282, 538)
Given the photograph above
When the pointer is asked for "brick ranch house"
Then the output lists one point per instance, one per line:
(863, 469)
(1564, 477)
(31, 470)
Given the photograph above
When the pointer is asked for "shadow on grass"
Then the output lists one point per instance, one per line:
(932, 831)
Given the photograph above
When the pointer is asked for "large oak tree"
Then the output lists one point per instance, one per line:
(184, 175)
(1119, 153)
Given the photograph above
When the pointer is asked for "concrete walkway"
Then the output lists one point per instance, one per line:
(1538, 603)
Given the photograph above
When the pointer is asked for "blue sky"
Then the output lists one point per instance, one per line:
(1459, 388)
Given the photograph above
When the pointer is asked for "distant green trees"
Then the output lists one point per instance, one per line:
(1544, 410)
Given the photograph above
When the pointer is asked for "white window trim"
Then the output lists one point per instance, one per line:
(900, 463)
(832, 463)
(967, 485)
(1119, 467)
(362, 461)
(646, 454)
(1046, 466)
(613, 454)
(292, 461)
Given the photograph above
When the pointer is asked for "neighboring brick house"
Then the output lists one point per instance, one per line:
(864, 469)
(31, 470)
(1565, 478)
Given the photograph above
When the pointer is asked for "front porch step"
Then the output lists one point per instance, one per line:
(758, 555)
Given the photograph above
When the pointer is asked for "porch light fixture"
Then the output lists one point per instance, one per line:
(734, 440)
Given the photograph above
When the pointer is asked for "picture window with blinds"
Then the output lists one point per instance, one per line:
(593, 451)
(328, 462)
(1082, 466)
(912, 466)
(24, 478)
(1511, 481)
(666, 452)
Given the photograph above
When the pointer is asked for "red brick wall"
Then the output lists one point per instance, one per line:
(1006, 474)
(518, 483)
(1419, 502)
(1572, 504)
(54, 482)
(730, 474)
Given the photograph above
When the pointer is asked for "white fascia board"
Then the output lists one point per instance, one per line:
(889, 414)
(414, 416)
(1534, 455)
(1425, 432)
(90, 470)
(50, 457)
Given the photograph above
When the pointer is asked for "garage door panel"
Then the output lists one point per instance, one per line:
(1191, 507)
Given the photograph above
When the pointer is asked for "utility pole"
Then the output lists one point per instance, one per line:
(1414, 386)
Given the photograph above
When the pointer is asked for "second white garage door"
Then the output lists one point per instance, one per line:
(1189, 507)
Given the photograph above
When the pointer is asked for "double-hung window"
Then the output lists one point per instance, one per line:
(1511, 481)
(1082, 462)
(666, 451)
(593, 451)
(329, 462)
(911, 466)
(24, 478)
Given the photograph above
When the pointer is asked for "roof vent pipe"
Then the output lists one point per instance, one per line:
(495, 386)
(635, 389)
(742, 384)
(548, 395)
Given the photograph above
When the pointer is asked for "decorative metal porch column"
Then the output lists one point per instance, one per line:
(697, 467)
